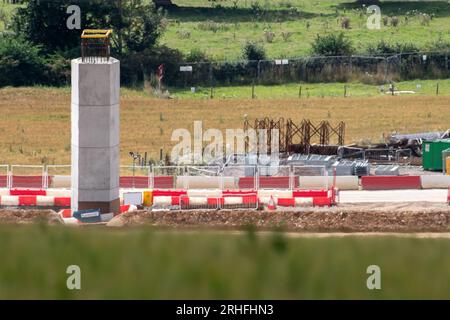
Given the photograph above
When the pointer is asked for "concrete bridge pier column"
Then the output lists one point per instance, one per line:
(95, 135)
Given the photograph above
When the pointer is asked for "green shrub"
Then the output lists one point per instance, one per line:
(213, 26)
(286, 35)
(253, 51)
(196, 55)
(395, 22)
(384, 48)
(134, 66)
(345, 23)
(20, 62)
(58, 66)
(269, 36)
(332, 45)
(439, 45)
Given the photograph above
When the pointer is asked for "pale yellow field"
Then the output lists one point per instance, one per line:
(35, 122)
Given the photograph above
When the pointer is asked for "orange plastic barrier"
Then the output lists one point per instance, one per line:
(29, 181)
(163, 182)
(309, 193)
(390, 182)
(134, 182)
(27, 192)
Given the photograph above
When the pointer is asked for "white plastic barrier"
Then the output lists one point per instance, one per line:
(299, 201)
(435, 182)
(275, 193)
(304, 202)
(9, 201)
(58, 192)
(316, 182)
(233, 200)
(198, 201)
(4, 192)
(45, 201)
(205, 182)
(59, 181)
(162, 201)
(204, 193)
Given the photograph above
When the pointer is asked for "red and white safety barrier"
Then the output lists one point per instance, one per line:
(34, 201)
(448, 196)
(216, 199)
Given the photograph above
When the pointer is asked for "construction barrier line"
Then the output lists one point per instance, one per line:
(390, 182)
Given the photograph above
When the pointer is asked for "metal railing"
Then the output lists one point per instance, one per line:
(312, 69)
(239, 177)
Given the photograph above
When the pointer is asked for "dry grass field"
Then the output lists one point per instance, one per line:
(35, 126)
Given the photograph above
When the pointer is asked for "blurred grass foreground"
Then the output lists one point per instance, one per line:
(145, 263)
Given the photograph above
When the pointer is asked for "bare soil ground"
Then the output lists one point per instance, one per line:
(372, 218)
(22, 216)
(399, 217)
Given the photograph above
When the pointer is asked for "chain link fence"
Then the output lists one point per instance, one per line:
(366, 69)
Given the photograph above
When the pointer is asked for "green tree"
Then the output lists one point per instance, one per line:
(44, 23)
(136, 24)
(332, 45)
(253, 51)
(21, 62)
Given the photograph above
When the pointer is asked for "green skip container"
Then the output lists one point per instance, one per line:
(432, 154)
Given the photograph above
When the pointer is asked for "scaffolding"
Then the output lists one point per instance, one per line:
(95, 45)
(296, 137)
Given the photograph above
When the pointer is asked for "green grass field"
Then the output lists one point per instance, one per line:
(149, 264)
(221, 31)
(292, 90)
(6, 12)
(229, 28)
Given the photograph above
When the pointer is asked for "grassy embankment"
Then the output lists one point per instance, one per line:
(141, 263)
(36, 121)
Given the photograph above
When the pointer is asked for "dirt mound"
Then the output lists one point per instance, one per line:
(419, 217)
(22, 216)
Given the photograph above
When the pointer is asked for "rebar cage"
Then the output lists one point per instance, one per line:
(95, 45)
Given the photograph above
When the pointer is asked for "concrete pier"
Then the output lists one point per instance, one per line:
(95, 135)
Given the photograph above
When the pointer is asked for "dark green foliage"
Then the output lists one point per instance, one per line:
(196, 55)
(388, 48)
(44, 23)
(332, 45)
(136, 24)
(20, 62)
(147, 62)
(253, 51)
(46, 45)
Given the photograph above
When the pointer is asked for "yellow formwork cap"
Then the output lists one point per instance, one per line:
(96, 33)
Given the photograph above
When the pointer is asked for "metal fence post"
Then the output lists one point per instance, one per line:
(45, 178)
(291, 178)
(258, 72)
(446, 65)
(8, 178)
(150, 179)
(257, 177)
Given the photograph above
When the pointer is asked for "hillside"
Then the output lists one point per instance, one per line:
(221, 31)
(220, 28)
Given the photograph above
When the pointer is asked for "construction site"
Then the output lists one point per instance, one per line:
(178, 190)
(306, 169)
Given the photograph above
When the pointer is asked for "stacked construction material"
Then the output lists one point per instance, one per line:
(331, 165)
(362, 168)
(318, 160)
(387, 170)
(342, 168)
